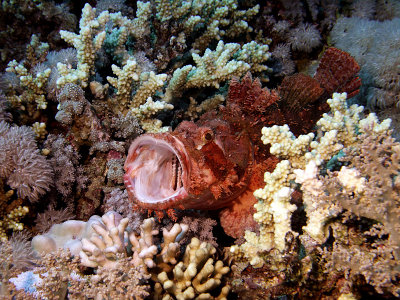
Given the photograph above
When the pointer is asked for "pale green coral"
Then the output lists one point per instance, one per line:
(33, 84)
(89, 40)
(217, 66)
(218, 18)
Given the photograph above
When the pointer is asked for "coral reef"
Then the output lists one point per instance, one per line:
(248, 173)
(332, 199)
(209, 164)
(102, 245)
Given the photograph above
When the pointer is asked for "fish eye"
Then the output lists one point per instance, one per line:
(208, 136)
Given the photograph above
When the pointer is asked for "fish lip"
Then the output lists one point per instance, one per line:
(149, 186)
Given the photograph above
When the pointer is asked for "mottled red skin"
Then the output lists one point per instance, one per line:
(212, 177)
(222, 157)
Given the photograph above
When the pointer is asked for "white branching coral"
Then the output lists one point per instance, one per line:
(304, 155)
(89, 40)
(103, 246)
(195, 276)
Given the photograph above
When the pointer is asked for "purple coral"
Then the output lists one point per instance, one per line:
(21, 163)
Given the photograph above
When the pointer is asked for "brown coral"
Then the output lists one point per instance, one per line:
(337, 72)
(298, 90)
(249, 95)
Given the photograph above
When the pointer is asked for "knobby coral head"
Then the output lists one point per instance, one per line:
(202, 165)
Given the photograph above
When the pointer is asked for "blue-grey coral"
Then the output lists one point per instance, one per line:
(21, 163)
(376, 47)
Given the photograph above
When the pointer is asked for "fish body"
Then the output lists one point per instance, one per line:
(202, 165)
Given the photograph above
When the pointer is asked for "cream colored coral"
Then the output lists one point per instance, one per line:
(149, 84)
(255, 55)
(336, 130)
(89, 40)
(124, 80)
(145, 111)
(39, 129)
(177, 83)
(102, 248)
(318, 211)
(273, 214)
(285, 145)
(34, 85)
(11, 221)
(138, 27)
(351, 180)
(145, 252)
(216, 66)
(143, 246)
(194, 276)
(281, 211)
(142, 21)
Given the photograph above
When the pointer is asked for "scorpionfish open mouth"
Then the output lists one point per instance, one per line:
(157, 170)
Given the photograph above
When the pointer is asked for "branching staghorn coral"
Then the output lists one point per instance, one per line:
(87, 43)
(32, 76)
(141, 104)
(179, 25)
(214, 67)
